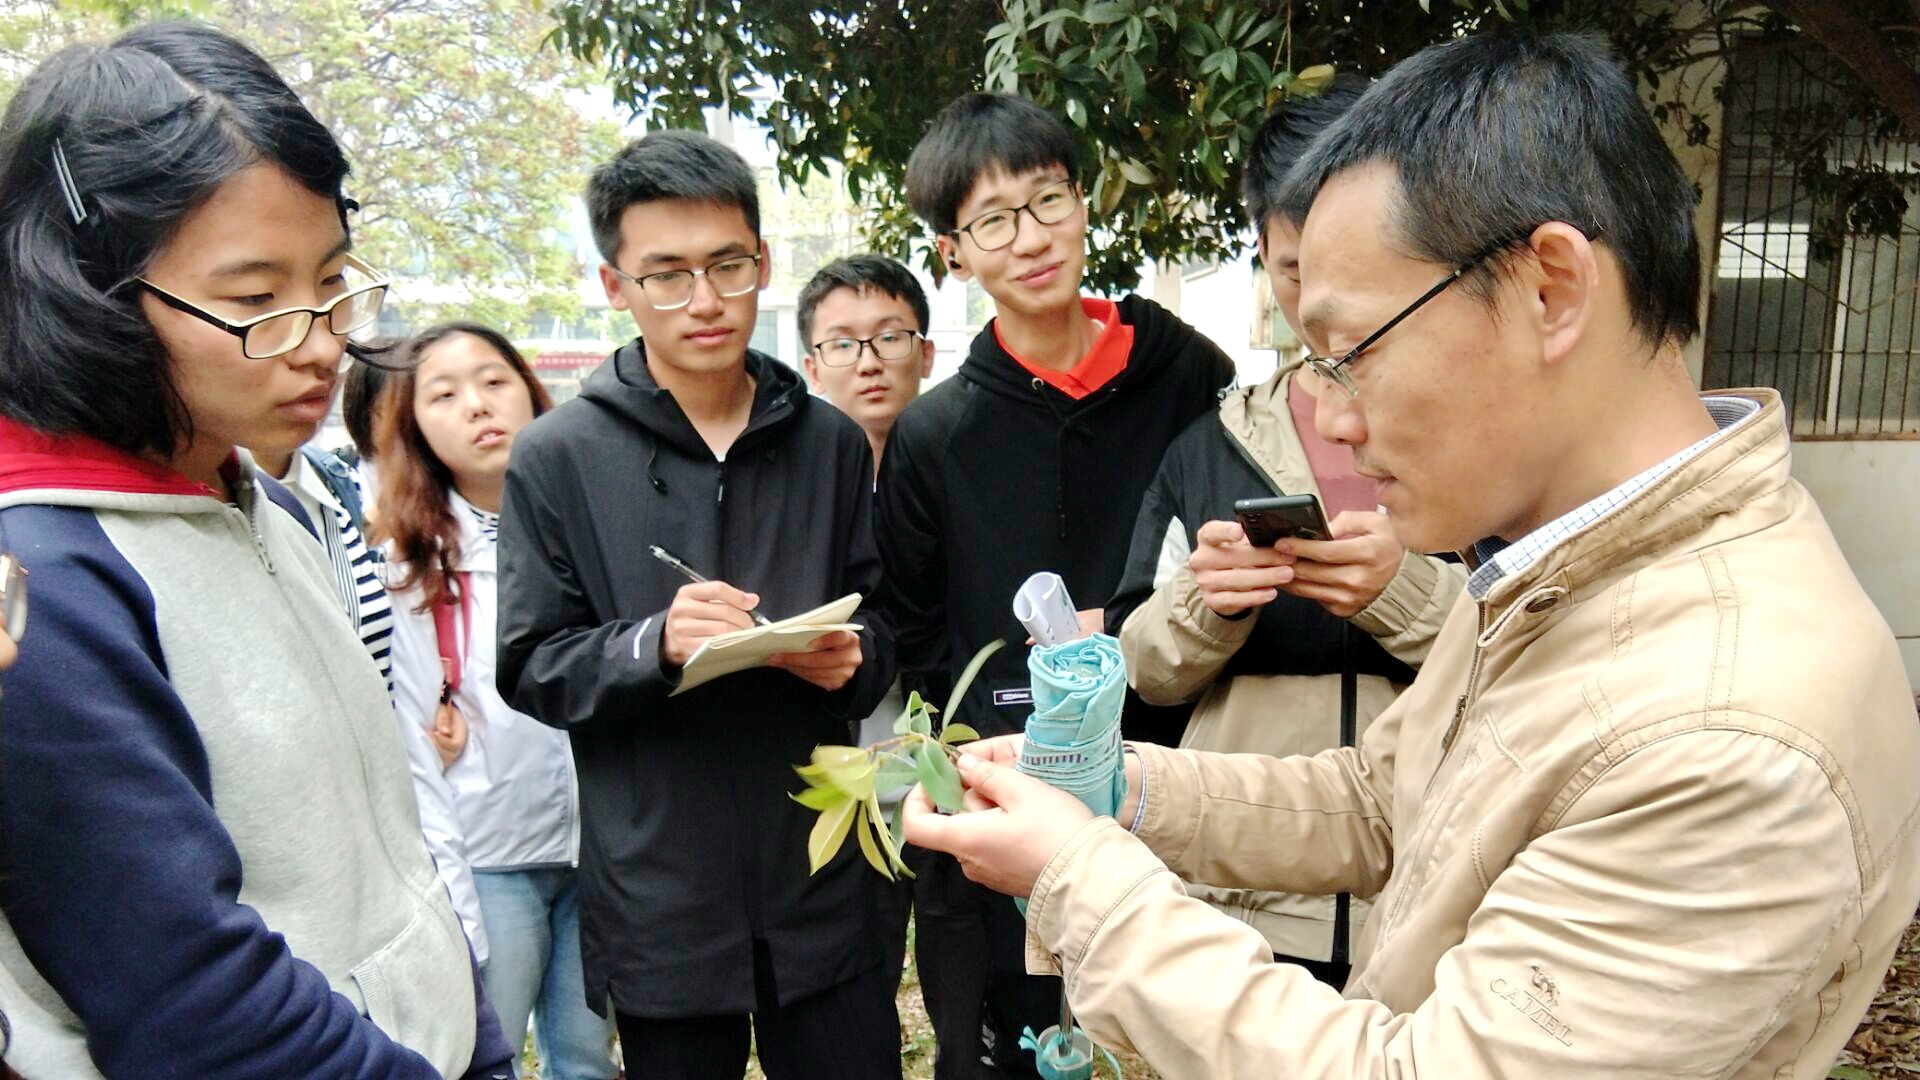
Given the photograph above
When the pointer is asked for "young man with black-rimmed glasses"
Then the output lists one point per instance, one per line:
(699, 920)
(1034, 456)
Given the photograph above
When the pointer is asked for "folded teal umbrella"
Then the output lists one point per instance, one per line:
(1073, 736)
(1073, 743)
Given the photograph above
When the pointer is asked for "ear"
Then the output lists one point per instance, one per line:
(1260, 244)
(766, 265)
(610, 281)
(950, 254)
(926, 358)
(1564, 288)
(813, 374)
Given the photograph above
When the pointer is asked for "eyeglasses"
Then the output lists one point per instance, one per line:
(886, 345)
(280, 332)
(1334, 371)
(13, 594)
(996, 229)
(671, 289)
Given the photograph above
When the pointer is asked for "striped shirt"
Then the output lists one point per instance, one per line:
(356, 568)
(1498, 560)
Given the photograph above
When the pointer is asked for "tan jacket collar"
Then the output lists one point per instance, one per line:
(1257, 419)
(1738, 475)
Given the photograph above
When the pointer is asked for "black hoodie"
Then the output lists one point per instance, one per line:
(690, 848)
(994, 475)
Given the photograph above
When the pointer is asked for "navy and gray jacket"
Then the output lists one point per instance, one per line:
(210, 860)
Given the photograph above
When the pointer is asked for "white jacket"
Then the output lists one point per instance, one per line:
(509, 801)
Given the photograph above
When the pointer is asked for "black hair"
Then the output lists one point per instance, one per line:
(149, 126)
(358, 399)
(1282, 139)
(1493, 135)
(668, 165)
(973, 135)
(862, 274)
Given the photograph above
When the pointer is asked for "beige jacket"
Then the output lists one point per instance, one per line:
(1176, 646)
(1647, 811)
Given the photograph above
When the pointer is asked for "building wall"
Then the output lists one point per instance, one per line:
(1870, 493)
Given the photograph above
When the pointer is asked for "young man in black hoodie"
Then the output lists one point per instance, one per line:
(1034, 457)
(699, 919)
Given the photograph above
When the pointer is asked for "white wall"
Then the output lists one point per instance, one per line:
(1870, 493)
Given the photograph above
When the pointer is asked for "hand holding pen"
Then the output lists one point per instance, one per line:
(697, 578)
(701, 609)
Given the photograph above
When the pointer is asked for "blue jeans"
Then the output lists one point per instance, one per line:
(533, 967)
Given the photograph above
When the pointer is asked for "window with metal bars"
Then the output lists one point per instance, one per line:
(1836, 332)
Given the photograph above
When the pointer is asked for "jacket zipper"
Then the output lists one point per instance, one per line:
(253, 532)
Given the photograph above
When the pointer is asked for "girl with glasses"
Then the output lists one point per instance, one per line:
(213, 864)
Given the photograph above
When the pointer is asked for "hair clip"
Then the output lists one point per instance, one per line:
(68, 189)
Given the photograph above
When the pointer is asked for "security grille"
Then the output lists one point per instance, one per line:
(1836, 335)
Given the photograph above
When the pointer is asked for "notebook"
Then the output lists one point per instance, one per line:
(739, 650)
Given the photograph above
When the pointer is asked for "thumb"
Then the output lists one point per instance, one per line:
(999, 784)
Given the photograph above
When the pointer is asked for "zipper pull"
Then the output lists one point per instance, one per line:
(1453, 729)
(259, 542)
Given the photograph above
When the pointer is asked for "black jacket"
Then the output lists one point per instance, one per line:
(690, 848)
(994, 475)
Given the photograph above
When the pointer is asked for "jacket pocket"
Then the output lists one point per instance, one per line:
(376, 997)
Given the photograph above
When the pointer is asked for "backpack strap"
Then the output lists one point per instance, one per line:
(454, 637)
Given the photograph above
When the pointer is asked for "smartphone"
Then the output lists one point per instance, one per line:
(1268, 521)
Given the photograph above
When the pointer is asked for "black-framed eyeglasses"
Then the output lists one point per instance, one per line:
(280, 332)
(996, 229)
(1334, 371)
(669, 290)
(13, 594)
(887, 345)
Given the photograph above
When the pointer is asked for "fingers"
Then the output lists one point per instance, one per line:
(718, 592)
(1221, 533)
(1003, 749)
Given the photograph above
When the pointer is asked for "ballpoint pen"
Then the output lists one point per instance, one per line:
(691, 574)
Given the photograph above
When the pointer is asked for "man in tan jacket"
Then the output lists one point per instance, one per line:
(1301, 650)
(1648, 810)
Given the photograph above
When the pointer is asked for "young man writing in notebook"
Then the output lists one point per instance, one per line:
(699, 918)
(1033, 457)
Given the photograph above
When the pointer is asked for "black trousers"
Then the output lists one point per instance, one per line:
(969, 943)
(850, 1031)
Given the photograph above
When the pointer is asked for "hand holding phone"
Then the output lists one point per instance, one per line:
(1268, 521)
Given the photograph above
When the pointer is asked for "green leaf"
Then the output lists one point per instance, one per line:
(895, 771)
(957, 733)
(1076, 113)
(877, 821)
(965, 681)
(1104, 12)
(1315, 78)
(1848, 1072)
(823, 843)
(819, 798)
(1136, 172)
(937, 775)
(867, 846)
(848, 768)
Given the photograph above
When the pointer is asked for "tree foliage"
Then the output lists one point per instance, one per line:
(464, 132)
(1166, 93)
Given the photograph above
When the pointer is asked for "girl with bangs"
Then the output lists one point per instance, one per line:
(496, 787)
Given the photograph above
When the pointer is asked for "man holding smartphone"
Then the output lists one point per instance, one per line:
(1337, 625)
